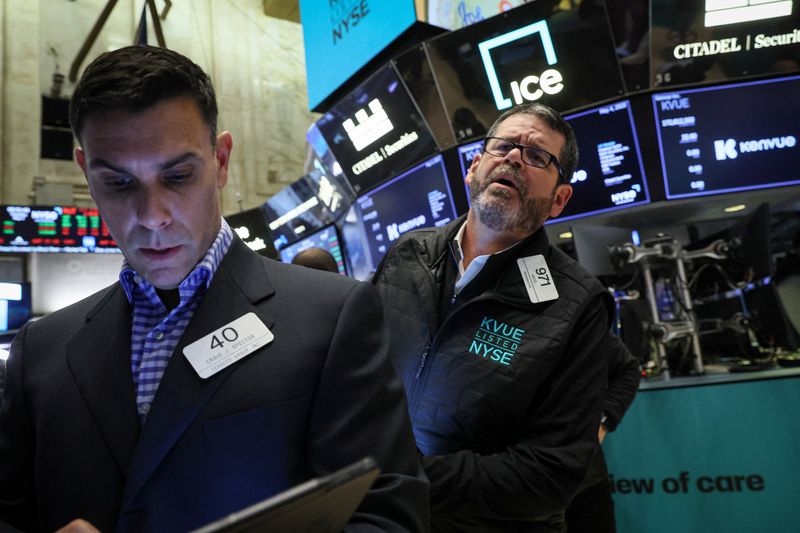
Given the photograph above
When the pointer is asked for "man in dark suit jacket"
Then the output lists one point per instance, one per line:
(202, 382)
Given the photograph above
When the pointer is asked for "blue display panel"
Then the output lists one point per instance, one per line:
(326, 238)
(54, 229)
(341, 36)
(730, 137)
(418, 198)
(610, 174)
(376, 130)
(564, 58)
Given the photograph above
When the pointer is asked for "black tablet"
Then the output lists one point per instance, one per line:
(320, 505)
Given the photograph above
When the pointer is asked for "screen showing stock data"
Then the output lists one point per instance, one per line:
(610, 173)
(417, 198)
(730, 137)
(54, 229)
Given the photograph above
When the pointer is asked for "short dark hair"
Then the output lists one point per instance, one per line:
(137, 77)
(316, 258)
(568, 158)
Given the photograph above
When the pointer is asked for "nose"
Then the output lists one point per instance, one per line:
(154, 210)
(514, 157)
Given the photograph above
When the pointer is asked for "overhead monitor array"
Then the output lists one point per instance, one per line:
(442, 96)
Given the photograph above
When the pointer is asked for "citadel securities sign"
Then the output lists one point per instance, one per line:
(341, 36)
(724, 39)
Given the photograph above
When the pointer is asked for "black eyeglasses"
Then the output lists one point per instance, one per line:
(531, 155)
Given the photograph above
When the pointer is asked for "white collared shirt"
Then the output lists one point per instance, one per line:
(475, 266)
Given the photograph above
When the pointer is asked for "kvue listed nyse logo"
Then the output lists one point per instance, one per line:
(531, 87)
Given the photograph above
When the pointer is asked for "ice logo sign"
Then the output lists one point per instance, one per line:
(531, 87)
(370, 128)
(722, 12)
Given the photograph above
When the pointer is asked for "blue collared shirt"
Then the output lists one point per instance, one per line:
(155, 332)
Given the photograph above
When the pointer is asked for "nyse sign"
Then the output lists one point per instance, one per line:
(531, 87)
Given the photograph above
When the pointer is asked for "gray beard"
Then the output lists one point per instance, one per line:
(495, 211)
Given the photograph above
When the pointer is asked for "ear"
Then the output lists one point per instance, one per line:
(80, 158)
(560, 199)
(472, 168)
(223, 156)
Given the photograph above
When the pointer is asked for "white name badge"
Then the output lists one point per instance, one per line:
(226, 345)
(537, 278)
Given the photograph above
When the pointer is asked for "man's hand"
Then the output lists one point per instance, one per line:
(601, 434)
(78, 526)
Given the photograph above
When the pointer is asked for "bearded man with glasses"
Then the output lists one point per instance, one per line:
(501, 340)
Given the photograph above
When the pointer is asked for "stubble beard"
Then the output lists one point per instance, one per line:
(495, 208)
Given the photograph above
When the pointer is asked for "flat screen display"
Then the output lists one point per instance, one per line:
(539, 51)
(418, 198)
(376, 131)
(721, 39)
(251, 227)
(610, 174)
(341, 36)
(326, 238)
(729, 138)
(54, 229)
(466, 153)
(416, 73)
(295, 211)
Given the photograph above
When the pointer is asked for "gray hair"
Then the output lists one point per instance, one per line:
(568, 158)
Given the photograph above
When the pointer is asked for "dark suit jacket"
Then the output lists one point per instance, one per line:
(320, 396)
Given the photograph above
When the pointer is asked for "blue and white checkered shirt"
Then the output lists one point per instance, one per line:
(154, 331)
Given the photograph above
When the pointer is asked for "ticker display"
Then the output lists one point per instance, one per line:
(610, 174)
(729, 138)
(54, 229)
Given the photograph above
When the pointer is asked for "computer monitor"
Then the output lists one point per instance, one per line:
(610, 173)
(749, 247)
(728, 138)
(376, 131)
(326, 238)
(251, 226)
(419, 197)
(592, 245)
(296, 211)
(54, 229)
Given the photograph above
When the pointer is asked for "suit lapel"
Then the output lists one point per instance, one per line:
(239, 282)
(99, 357)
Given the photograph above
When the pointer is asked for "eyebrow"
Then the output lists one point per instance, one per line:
(183, 158)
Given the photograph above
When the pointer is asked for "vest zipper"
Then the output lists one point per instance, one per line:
(422, 362)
